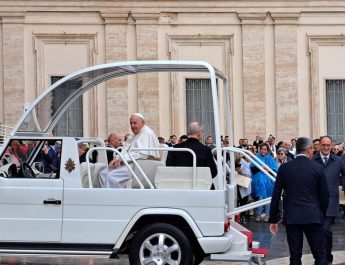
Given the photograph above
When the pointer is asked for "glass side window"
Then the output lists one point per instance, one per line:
(31, 159)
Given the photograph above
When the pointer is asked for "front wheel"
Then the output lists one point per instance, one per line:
(159, 244)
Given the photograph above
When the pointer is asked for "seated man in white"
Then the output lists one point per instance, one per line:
(117, 175)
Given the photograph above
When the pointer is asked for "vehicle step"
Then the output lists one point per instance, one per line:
(233, 256)
(53, 248)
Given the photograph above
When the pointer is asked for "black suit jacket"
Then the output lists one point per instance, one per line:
(203, 154)
(307, 195)
(334, 169)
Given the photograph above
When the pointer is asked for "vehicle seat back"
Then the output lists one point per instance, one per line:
(163, 154)
(182, 178)
(95, 170)
(149, 168)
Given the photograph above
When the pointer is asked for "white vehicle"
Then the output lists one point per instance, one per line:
(169, 217)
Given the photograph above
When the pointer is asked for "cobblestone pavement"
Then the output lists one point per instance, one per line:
(278, 251)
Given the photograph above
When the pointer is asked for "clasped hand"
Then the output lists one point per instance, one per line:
(115, 163)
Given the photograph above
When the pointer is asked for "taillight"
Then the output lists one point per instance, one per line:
(227, 225)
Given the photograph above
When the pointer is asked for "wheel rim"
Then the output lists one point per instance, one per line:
(160, 249)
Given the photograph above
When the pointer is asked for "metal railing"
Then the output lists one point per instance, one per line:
(136, 163)
(4, 132)
(269, 173)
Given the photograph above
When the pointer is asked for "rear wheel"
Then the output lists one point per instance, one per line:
(199, 256)
(159, 244)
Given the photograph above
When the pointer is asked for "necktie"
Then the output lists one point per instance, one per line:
(325, 159)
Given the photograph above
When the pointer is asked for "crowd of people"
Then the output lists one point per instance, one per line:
(287, 158)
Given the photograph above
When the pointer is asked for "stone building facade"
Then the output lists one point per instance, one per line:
(277, 56)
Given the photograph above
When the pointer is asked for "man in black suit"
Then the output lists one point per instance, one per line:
(334, 168)
(305, 203)
(203, 154)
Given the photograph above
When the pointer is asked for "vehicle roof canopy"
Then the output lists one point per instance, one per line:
(41, 117)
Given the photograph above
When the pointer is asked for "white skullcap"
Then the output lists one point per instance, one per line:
(141, 116)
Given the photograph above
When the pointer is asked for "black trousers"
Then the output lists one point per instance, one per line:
(315, 238)
(327, 230)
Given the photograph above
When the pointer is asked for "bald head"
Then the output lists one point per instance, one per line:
(287, 145)
(115, 140)
(195, 130)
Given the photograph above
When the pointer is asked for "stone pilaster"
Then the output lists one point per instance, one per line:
(13, 66)
(286, 74)
(117, 89)
(253, 39)
(148, 84)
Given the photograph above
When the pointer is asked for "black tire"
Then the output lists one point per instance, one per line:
(162, 244)
(199, 256)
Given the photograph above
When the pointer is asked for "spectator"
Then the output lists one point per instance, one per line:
(293, 145)
(336, 150)
(280, 144)
(288, 147)
(209, 142)
(316, 145)
(333, 167)
(251, 148)
(272, 146)
(242, 167)
(258, 140)
(172, 140)
(52, 160)
(183, 138)
(244, 143)
(19, 150)
(282, 158)
(262, 186)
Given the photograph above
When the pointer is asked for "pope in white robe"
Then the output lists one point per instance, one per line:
(117, 175)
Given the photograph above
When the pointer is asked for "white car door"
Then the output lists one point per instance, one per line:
(30, 209)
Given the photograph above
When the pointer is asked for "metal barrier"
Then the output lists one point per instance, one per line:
(4, 132)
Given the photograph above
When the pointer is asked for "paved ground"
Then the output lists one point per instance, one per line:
(278, 251)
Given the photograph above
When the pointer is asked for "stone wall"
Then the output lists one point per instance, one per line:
(270, 51)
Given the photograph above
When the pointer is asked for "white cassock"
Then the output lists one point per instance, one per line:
(121, 177)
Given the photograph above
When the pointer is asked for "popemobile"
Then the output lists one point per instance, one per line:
(169, 216)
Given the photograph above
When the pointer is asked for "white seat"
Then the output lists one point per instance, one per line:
(95, 169)
(96, 174)
(149, 168)
(163, 154)
(83, 174)
(182, 178)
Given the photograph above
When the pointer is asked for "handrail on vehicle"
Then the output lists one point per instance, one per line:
(266, 170)
(166, 149)
(136, 163)
(120, 155)
(255, 160)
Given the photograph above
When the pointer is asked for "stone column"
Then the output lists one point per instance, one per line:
(286, 74)
(254, 98)
(148, 84)
(117, 89)
(13, 66)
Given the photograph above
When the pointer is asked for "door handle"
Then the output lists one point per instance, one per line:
(52, 201)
